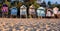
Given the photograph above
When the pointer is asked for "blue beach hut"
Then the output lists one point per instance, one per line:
(14, 11)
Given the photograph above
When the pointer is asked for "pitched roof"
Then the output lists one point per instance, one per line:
(32, 6)
(23, 6)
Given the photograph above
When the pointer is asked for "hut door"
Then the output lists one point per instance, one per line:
(14, 11)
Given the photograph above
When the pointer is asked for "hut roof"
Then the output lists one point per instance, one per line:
(4, 5)
(13, 8)
(23, 6)
(32, 6)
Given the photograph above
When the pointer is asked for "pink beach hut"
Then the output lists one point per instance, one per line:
(49, 13)
(32, 12)
(4, 10)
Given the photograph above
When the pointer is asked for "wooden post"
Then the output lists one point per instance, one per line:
(41, 17)
(26, 15)
(30, 16)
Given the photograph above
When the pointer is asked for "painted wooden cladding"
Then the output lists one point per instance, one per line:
(41, 11)
(23, 10)
(4, 8)
(32, 9)
(14, 11)
(49, 12)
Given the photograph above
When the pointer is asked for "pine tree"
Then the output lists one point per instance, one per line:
(56, 3)
(49, 3)
(43, 4)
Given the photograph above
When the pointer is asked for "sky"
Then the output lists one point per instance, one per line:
(53, 1)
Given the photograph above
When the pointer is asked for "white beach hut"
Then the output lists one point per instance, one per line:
(23, 11)
(41, 12)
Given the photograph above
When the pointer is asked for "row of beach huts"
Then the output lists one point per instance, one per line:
(32, 12)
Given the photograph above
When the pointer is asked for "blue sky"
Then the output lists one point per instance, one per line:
(53, 1)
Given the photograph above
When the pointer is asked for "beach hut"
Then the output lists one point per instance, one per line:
(32, 12)
(55, 11)
(41, 12)
(49, 13)
(4, 10)
(23, 11)
(14, 11)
